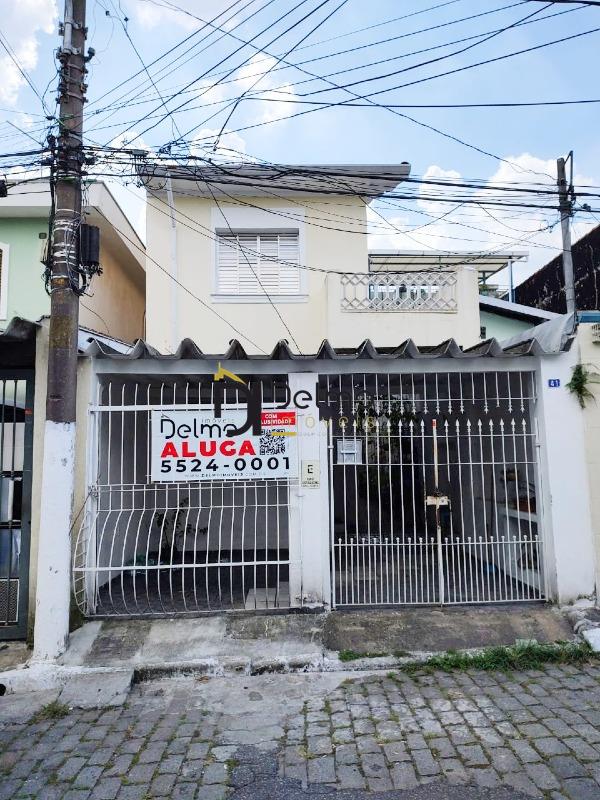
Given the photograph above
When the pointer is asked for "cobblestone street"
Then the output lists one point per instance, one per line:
(465, 734)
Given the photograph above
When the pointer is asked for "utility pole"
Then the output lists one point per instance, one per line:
(54, 551)
(565, 204)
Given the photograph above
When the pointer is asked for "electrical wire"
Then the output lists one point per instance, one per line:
(226, 58)
(181, 285)
(287, 53)
(230, 33)
(13, 57)
(141, 60)
(258, 280)
(312, 75)
(208, 233)
(412, 119)
(364, 66)
(184, 41)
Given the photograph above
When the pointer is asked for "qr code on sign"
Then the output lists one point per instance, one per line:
(272, 444)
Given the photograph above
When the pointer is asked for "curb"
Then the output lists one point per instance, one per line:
(37, 677)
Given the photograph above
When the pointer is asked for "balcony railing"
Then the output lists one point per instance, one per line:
(398, 291)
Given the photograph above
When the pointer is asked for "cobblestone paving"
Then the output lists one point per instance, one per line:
(536, 733)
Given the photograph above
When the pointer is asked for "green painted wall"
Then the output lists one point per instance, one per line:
(26, 294)
(501, 327)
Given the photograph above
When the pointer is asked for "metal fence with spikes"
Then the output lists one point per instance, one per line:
(434, 487)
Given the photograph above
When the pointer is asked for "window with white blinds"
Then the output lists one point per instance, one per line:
(255, 263)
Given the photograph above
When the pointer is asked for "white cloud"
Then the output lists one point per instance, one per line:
(485, 227)
(22, 22)
(209, 92)
(160, 13)
(231, 145)
(131, 140)
(254, 79)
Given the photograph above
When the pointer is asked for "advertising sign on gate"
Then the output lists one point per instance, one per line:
(197, 446)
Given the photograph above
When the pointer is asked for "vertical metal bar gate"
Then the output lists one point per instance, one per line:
(16, 445)
(434, 487)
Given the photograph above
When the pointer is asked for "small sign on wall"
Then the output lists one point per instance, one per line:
(554, 383)
(310, 474)
(349, 451)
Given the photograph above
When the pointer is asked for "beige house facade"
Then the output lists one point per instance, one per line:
(256, 255)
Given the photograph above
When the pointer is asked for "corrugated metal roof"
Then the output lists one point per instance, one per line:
(547, 339)
(23, 330)
(19, 330)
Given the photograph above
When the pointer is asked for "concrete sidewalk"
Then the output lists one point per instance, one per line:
(106, 657)
(230, 643)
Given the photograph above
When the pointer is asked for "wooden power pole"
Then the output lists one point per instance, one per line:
(54, 553)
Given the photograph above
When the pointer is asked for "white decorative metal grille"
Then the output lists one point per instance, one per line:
(398, 291)
(439, 503)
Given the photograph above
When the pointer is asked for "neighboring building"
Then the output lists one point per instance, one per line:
(23, 370)
(501, 319)
(545, 289)
(116, 303)
(115, 306)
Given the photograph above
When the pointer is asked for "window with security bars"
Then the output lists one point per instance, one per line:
(258, 263)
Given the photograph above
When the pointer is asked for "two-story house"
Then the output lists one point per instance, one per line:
(286, 247)
(308, 424)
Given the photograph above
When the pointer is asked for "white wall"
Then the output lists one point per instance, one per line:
(311, 318)
(589, 353)
(566, 508)
(81, 451)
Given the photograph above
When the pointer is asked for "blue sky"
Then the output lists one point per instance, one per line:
(529, 138)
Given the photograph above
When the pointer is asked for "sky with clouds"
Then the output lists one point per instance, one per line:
(236, 56)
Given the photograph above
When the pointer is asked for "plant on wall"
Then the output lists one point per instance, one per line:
(580, 382)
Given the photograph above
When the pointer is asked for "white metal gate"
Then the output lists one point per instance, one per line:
(148, 548)
(434, 484)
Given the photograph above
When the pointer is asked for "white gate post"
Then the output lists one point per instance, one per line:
(309, 538)
(565, 503)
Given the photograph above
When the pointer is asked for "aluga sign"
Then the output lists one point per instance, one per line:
(193, 445)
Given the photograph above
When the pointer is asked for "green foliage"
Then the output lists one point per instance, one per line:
(580, 381)
(53, 710)
(352, 655)
(518, 657)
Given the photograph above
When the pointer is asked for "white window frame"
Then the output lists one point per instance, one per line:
(256, 221)
(5, 248)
